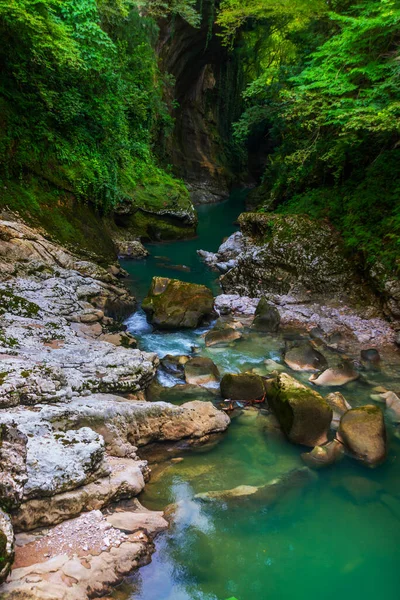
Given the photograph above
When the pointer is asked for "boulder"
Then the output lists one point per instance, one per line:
(324, 456)
(304, 415)
(126, 480)
(304, 357)
(363, 432)
(132, 249)
(242, 386)
(172, 304)
(370, 357)
(60, 461)
(287, 253)
(201, 371)
(269, 494)
(219, 336)
(175, 365)
(336, 376)
(6, 545)
(267, 317)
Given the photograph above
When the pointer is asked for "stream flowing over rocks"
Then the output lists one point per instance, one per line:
(72, 383)
(88, 421)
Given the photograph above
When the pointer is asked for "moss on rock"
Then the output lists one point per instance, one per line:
(304, 415)
(172, 304)
(242, 386)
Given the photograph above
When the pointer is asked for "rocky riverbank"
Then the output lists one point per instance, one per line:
(72, 414)
(300, 267)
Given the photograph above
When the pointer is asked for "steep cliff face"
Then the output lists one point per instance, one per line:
(202, 69)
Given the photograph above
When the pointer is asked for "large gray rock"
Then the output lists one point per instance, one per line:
(123, 424)
(126, 480)
(267, 317)
(286, 253)
(60, 461)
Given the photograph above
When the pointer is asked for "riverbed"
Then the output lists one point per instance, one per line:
(336, 537)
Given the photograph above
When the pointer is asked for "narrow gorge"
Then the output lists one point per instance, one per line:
(199, 300)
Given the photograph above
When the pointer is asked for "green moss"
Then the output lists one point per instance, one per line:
(63, 219)
(17, 305)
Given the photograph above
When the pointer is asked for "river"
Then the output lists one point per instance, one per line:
(336, 538)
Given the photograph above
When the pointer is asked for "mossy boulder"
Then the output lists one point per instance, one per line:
(6, 545)
(172, 304)
(363, 432)
(201, 371)
(287, 254)
(304, 415)
(242, 386)
(267, 317)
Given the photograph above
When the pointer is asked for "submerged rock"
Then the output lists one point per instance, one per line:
(360, 489)
(268, 494)
(304, 357)
(221, 336)
(243, 386)
(304, 415)
(324, 456)
(201, 371)
(363, 432)
(267, 317)
(6, 545)
(172, 304)
(336, 376)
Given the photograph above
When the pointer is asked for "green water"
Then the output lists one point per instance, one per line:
(337, 537)
(216, 221)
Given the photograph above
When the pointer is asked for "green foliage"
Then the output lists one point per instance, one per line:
(328, 94)
(81, 95)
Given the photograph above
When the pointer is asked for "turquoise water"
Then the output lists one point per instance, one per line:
(216, 221)
(336, 537)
